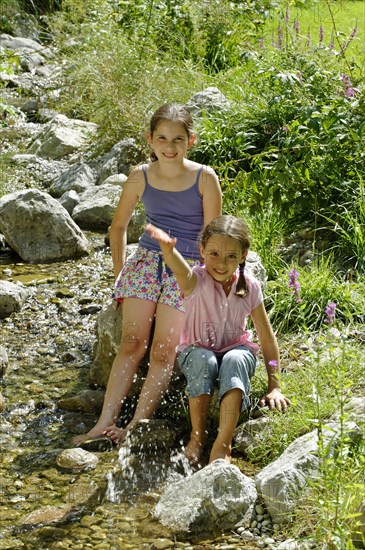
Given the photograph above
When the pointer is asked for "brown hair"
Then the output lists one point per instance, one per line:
(173, 112)
(238, 230)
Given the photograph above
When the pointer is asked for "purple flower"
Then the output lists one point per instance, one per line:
(296, 26)
(321, 33)
(349, 91)
(280, 36)
(330, 313)
(273, 363)
(294, 284)
(287, 15)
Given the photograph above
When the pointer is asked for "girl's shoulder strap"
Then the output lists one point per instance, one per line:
(198, 174)
(144, 170)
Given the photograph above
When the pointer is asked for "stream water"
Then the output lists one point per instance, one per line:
(49, 344)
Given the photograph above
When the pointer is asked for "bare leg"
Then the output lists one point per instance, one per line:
(168, 325)
(199, 408)
(137, 321)
(229, 412)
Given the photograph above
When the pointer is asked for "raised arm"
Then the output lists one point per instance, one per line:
(132, 190)
(270, 351)
(184, 275)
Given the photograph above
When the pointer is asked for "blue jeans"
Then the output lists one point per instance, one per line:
(204, 370)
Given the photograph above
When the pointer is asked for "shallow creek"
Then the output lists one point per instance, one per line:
(49, 344)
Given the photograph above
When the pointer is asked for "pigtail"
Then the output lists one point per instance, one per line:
(241, 286)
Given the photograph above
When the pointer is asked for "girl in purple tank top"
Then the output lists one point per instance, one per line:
(180, 196)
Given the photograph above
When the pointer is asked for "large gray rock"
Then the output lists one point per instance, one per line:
(20, 44)
(39, 229)
(79, 178)
(109, 330)
(213, 499)
(12, 297)
(62, 136)
(206, 101)
(122, 157)
(283, 482)
(97, 206)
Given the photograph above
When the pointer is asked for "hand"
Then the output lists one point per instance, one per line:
(160, 235)
(275, 400)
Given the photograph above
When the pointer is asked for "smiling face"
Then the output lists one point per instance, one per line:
(170, 141)
(222, 256)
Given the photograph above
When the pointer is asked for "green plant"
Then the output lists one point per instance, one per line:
(348, 225)
(292, 312)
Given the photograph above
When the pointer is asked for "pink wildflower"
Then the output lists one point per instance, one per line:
(330, 313)
(294, 283)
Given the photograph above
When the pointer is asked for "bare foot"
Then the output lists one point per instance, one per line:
(92, 434)
(118, 435)
(97, 431)
(220, 451)
(193, 451)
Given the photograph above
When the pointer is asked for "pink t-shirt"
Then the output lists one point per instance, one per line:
(216, 321)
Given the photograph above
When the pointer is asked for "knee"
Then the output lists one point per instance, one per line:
(162, 352)
(133, 347)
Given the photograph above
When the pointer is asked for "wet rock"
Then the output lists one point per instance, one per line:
(4, 361)
(90, 309)
(37, 227)
(45, 515)
(211, 500)
(12, 298)
(151, 436)
(162, 544)
(76, 460)
(87, 401)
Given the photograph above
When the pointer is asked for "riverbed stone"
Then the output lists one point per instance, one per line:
(86, 401)
(4, 360)
(76, 460)
(211, 500)
(46, 515)
(12, 298)
(39, 229)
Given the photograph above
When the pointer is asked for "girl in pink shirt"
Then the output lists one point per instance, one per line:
(215, 346)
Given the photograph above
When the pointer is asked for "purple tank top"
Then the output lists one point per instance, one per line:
(178, 213)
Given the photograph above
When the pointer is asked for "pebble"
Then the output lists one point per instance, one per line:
(247, 535)
(162, 544)
(260, 510)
